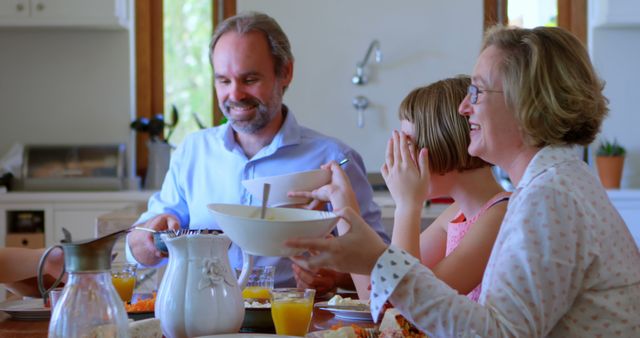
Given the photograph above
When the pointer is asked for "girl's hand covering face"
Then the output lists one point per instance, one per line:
(344, 253)
(405, 172)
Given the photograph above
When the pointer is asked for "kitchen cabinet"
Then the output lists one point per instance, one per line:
(75, 211)
(109, 14)
(78, 212)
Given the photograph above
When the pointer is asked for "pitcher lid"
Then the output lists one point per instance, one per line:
(90, 255)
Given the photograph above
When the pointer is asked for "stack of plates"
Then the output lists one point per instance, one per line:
(26, 309)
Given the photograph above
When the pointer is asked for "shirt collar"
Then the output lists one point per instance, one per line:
(289, 133)
(545, 159)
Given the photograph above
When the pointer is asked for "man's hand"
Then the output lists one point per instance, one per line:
(322, 280)
(141, 242)
(344, 253)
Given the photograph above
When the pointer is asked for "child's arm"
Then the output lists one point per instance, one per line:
(433, 240)
(464, 267)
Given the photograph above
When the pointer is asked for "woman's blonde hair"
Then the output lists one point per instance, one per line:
(439, 127)
(550, 83)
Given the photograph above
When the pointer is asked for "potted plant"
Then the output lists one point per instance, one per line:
(610, 160)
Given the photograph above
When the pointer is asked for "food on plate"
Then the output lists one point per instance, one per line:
(339, 300)
(146, 328)
(352, 331)
(142, 305)
(394, 325)
(253, 304)
(343, 332)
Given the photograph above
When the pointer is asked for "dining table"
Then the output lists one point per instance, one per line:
(12, 328)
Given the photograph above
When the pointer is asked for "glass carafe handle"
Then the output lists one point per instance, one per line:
(43, 291)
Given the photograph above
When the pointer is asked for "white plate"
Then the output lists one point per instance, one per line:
(346, 314)
(320, 334)
(245, 335)
(26, 309)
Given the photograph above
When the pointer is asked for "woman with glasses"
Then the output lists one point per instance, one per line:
(457, 245)
(564, 263)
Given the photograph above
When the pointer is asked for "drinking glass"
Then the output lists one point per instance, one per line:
(260, 283)
(291, 310)
(54, 295)
(123, 277)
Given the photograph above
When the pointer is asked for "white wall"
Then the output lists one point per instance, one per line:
(422, 41)
(69, 86)
(614, 38)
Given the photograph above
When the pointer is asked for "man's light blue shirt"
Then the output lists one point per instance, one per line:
(209, 165)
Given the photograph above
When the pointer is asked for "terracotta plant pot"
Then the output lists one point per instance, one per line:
(610, 170)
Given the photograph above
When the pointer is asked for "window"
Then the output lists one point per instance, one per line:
(529, 14)
(187, 70)
(150, 65)
(569, 14)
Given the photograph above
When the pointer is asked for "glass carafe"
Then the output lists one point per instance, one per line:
(89, 305)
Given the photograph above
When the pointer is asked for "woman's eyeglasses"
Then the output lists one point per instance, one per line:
(473, 92)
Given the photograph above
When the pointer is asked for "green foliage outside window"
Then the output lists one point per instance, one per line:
(187, 70)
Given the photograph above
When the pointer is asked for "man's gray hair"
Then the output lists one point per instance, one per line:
(253, 21)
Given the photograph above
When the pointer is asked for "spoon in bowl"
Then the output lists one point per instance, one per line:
(265, 197)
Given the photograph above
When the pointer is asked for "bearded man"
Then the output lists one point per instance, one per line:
(253, 66)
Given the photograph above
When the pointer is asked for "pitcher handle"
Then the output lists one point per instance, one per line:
(45, 292)
(247, 267)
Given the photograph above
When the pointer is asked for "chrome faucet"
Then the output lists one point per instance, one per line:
(359, 78)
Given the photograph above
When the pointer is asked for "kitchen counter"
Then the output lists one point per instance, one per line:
(69, 196)
(388, 206)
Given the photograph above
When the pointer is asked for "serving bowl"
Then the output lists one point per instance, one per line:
(266, 237)
(258, 320)
(282, 184)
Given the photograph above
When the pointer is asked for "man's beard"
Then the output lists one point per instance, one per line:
(264, 113)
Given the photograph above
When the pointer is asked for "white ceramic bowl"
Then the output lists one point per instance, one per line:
(282, 184)
(266, 237)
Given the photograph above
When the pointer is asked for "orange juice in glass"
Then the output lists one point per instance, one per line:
(123, 277)
(256, 292)
(260, 283)
(291, 310)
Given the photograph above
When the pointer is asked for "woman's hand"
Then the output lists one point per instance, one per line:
(344, 253)
(406, 175)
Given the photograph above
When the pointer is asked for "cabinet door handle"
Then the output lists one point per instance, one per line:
(40, 6)
(20, 7)
(25, 242)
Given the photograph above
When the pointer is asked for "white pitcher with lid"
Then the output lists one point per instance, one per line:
(199, 294)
